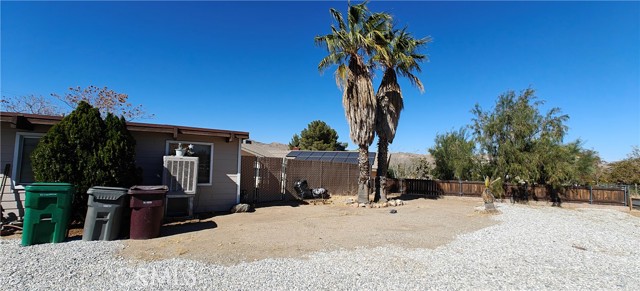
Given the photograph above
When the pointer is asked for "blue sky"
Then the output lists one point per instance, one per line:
(252, 66)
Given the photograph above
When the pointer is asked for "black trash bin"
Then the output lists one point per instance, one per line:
(106, 207)
(147, 211)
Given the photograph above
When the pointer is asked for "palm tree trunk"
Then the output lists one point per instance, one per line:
(390, 103)
(364, 177)
(383, 167)
(360, 105)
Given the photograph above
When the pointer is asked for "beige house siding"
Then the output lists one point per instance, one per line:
(150, 147)
(7, 144)
(221, 195)
(12, 199)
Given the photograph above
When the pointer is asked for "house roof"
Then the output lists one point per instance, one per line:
(265, 150)
(330, 156)
(27, 121)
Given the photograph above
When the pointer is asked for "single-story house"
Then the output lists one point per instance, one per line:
(219, 152)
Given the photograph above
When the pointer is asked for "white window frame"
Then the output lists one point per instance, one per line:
(186, 143)
(17, 153)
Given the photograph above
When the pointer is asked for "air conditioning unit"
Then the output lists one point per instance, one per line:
(181, 176)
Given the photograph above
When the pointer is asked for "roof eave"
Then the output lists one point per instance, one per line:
(27, 121)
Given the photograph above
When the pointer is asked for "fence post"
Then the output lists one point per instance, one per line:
(460, 182)
(258, 182)
(626, 194)
(590, 194)
(283, 177)
(321, 174)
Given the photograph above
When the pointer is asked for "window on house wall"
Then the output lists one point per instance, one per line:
(23, 169)
(204, 152)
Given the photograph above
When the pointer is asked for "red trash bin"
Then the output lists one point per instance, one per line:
(147, 211)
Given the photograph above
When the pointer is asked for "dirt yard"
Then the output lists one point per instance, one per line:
(298, 230)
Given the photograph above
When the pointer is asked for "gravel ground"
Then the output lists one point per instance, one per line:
(533, 248)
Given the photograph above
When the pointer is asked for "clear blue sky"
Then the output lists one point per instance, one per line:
(252, 66)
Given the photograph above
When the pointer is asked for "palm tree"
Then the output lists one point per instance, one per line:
(347, 45)
(400, 56)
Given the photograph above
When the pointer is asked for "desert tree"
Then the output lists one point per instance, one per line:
(626, 171)
(318, 136)
(454, 155)
(30, 104)
(514, 135)
(104, 99)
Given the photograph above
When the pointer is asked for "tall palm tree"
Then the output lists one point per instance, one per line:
(348, 44)
(400, 56)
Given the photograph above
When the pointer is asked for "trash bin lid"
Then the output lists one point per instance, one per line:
(48, 186)
(107, 193)
(149, 189)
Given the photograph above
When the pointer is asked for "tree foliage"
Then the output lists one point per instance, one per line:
(416, 168)
(318, 136)
(514, 136)
(84, 150)
(567, 164)
(118, 153)
(626, 171)
(516, 143)
(371, 35)
(454, 156)
(295, 142)
(104, 99)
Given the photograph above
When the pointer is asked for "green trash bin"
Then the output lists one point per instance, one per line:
(104, 213)
(48, 208)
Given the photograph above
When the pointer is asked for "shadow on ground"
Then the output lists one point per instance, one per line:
(408, 197)
(185, 227)
(291, 203)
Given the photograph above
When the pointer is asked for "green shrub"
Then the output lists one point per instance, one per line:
(84, 150)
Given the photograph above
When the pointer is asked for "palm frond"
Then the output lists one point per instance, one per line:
(342, 74)
(338, 18)
(402, 54)
(413, 79)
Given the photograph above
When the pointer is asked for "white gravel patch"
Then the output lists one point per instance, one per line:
(533, 248)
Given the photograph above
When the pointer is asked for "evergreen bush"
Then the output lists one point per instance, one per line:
(84, 150)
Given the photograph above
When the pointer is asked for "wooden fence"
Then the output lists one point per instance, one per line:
(272, 179)
(593, 195)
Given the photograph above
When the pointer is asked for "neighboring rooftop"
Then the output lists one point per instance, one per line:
(330, 156)
(270, 150)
